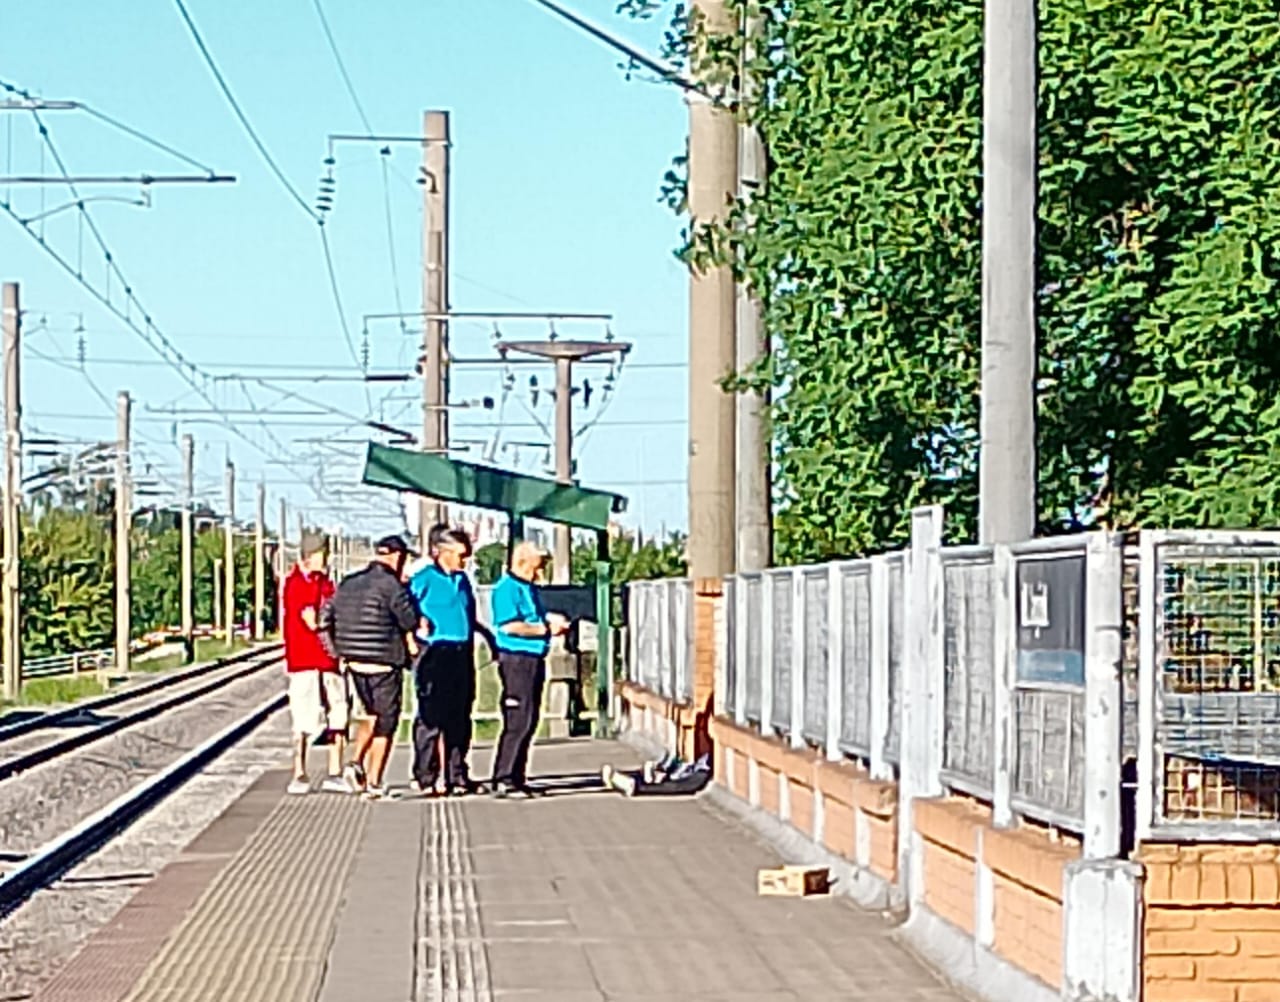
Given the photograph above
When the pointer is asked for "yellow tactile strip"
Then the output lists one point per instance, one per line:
(262, 929)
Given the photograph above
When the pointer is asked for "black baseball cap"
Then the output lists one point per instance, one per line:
(392, 544)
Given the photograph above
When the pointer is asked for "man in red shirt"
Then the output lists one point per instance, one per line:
(318, 699)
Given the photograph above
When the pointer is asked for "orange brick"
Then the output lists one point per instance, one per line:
(1266, 883)
(1239, 882)
(1213, 883)
(1189, 991)
(1170, 918)
(769, 790)
(1169, 968)
(801, 808)
(1263, 944)
(1237, 969)
(1193, 942)
(1158, 853)
(1159, 876)
(1259, 991)
(1184, 887)
(1243, 919)
(837, 828)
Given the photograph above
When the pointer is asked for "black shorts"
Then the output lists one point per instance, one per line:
(381, 695)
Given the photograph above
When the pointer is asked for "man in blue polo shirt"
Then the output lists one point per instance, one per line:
(445, 673)
(522, 634)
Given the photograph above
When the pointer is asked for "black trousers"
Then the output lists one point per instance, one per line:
(444, 678)
(523, 676)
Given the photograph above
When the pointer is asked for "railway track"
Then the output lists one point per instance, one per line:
(43, 867)
(36, 741)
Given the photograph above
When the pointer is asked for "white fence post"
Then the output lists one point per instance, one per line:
(635, 599)
(1148, 691)
(766, 651)
(740, 627)
(1103, 696)
(923, 681)
(1005, 651)
(799, 641)
(836, 641)
(879, 737)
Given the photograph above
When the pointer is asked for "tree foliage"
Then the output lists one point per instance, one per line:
(1158, 243)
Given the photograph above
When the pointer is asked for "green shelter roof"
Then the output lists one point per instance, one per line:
(516, 494)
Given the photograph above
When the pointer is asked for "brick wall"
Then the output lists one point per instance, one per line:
(1212, 926)
(850, 799)
(1027, 869)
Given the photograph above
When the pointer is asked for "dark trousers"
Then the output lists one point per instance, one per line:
(523, 676)
(444, 678)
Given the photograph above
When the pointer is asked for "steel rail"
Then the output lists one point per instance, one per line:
(55, 749)
(44, 866)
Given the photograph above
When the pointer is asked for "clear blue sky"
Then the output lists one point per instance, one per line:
(557, 163)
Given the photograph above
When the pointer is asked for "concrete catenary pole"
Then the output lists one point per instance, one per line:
(10, 579)
(713, 181)
(1007, 474)
(260, 565)
(229, 560)
(188, 547)
(217, 595)
(282, 562)
(563, 556)
(124, 524)
(435, 301)
(753, 500)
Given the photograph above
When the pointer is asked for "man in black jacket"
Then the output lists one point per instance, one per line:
(371, 620)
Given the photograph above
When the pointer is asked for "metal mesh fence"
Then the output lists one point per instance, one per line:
(755, 656)
(817, 655)
(969, 682)
(731, 646)
(781, 653)
(1218, 682)
(1049, 767)
(855, 659)
(897, 579)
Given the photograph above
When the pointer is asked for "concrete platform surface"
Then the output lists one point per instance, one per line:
(579, 896)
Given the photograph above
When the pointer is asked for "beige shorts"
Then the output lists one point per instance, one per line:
(318, 701)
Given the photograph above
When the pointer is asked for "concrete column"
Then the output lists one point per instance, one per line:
(923, 677)
(880, 769)
(1104, 700)
(712, 355)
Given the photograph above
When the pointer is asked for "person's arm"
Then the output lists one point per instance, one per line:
(404, 609)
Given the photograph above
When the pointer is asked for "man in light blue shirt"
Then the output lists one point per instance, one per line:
(522, 635)
(444, 675)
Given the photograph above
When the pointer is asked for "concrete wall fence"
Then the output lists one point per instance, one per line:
(1058, 761)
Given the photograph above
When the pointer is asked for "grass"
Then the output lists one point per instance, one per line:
(207, 649)
(59, 689)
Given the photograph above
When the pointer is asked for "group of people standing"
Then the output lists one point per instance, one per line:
(347, 649)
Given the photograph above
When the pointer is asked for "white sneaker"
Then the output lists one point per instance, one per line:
(298, 786)
(353, 777)
(337, 784)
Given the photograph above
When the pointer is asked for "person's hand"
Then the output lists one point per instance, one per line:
(557, 625)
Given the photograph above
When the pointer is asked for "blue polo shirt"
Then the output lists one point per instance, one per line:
(446, 602)
(517, 601)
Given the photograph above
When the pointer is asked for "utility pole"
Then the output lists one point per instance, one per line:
(217, 594)
(188, 547)
(1007, 457)
(713, 182)
(753, 494)
(259, 565)
(435, 302)
(564, 354)
(229, 560)
(10, 579)
(282, 565)
(124, 523)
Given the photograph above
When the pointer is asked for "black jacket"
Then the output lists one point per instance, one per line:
(369, 616)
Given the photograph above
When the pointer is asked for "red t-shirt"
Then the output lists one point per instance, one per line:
(303, 650)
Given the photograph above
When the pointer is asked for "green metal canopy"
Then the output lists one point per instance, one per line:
(518, 495)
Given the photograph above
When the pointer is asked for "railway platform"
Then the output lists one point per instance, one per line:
(578, 896)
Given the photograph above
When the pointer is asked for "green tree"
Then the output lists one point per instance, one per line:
(1158, 305)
